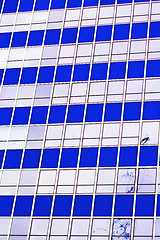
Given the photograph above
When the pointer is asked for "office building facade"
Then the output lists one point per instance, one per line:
(79, 119)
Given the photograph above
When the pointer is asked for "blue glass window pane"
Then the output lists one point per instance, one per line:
(136, 69)
(50, 158)
(1, 3)
(41, 5)
(141, 1)
(42, 206)
(103, 206)
(99, 71)
(88, 3)
(132, 111)
(5, 40)
(46, 74)
(86, 34)
(39, 115)
(151, 110)
(117, 70)
(123, 205)
(139, 30)
(1, 157)
(128, 156)
(73, 3)
(13, 159)
(23, 206)
(52, 36)
(108, 157)
(69, 35)
(57, 4)
(88, 157)
(91, 110)
(107, 2)
(113, 112)
(82, 205)
(75, 113)
(11, 76)
(10, 6)
(158, 205)
(26, 5)
(35, 38)
(148, 156)
(63, 73)
(69, 158)
(104, 33)
(153, 68)
(19, 39)
(121, 32)
(81, 72)
(5, 116)
(62, 205)
(6, 203)
(124, 1)
(1, 75)
(145, 205)
(154, 29)
(29, 75)
(21, 115)
(57, 114)
(31, 158)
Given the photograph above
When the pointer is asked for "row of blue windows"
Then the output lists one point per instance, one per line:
(121, 32)
(81, 72)
(82, 205)
(88, 157)
(132, 111)
(11, 6)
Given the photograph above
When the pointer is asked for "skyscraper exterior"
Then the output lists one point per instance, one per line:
(79, 120)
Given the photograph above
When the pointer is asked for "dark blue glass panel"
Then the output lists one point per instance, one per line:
(141, 1)
(35, 38)
(113, 112)
(19, 39)
(5, 40)
(158, 206)
(154, 29)
(104, 33)
(107, 2)
(81, 72)
(148, 156)
(139, 30)
(124, 1)
(121, 32)
(39, 115)
(88, 157)
(42, 206)
(50, 158)
(75, 113)
(86, 34)
(57, 4)
(117, 70)
(132, 111)
(13, 159)
(145, 205)
(57, 114)
(28, 75)
(151, 111)
(91, 110)
(82, 205)
(23, 206)
(124, 205)
(108, 157)
(69, 35)
(1, 75)
(11, 76)
(88, 3)
(69, 158)
(1, 157)
(62, 205)
(153, 68)
(52, 36)
(31, 158)
(41, 5)
(46, 74)
(5, 116)
(128, 156)
(6, 203)
(26, 5)
(21, 115)
(73, 3)
(63, 73)
(99, 71)
(10, 6)
(1, 3)
(103, 206)
(136, 69)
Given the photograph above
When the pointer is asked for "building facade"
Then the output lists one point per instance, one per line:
(79, 120)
